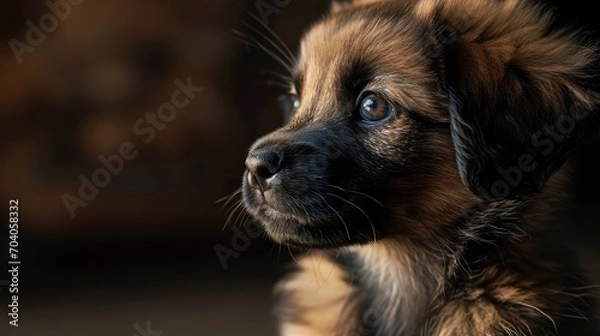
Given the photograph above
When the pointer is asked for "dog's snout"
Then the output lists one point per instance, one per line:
(263, 164)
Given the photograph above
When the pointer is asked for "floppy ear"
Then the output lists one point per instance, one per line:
(522, 95)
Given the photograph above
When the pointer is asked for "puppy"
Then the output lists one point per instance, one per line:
(424, 150)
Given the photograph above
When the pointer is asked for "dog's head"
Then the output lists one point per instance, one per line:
(406, 113)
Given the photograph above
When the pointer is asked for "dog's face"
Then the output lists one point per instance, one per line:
(369, 128)
(369, 150)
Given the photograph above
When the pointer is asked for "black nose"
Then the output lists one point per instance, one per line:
(262, 165)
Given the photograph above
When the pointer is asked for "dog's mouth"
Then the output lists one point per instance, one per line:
(265, 205)
(295, 212)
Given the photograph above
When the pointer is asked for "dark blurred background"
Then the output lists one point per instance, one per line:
(143, 249)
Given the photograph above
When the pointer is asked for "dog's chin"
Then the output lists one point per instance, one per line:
(318, 231)
(303, 235)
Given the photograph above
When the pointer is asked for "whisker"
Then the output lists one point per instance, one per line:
(304, 209)
(328, 277)
(280, 76)
(276, 84)
(358, 193)
(232, 205)
(269, 30)
(278, 251)
(361, 210)
(337, 213)
(243, 38)
(228, 198)
(235, 208)
(271, 250)
(241, 213)
(287, 57)
(291, 254)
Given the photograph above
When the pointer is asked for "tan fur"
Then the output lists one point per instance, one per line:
(320, 294)
(436, 201)
(495, 33)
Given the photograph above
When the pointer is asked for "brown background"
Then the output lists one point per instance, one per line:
(143, 249)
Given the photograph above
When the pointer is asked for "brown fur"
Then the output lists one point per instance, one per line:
(451, 261)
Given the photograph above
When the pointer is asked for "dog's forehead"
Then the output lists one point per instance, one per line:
(340, 49)
(344, 38)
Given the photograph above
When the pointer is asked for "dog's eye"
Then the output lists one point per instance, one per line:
(373, 108)
(290, 103)
(295, 102)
